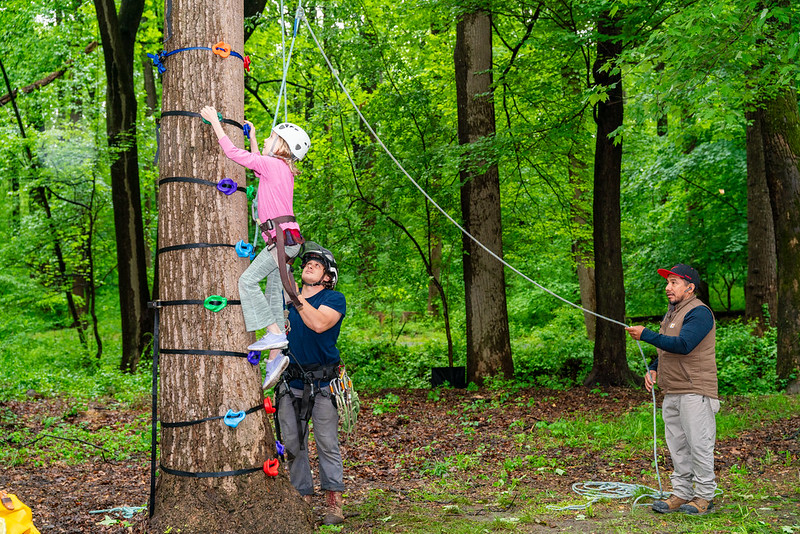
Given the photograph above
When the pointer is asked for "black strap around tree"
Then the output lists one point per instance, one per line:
(195, 114)
(190, 180)
(191, 352)
(192, 245)
(209, 474)
(161, 303)
(198, 421)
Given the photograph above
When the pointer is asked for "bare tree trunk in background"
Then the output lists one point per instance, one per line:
(781, 134)
(118, 36)
(436, 267)
(761, 297)
(196, 386)
(488, 338)
(582, 246)
(610, 365)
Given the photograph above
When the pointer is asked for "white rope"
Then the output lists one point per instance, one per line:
(443, 212)
(286, 62)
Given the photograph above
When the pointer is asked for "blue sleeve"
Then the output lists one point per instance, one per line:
(696, 325)
(335, 301)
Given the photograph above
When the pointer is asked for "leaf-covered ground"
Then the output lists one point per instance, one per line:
(443, 454)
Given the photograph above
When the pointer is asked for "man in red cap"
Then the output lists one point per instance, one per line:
(686, 370)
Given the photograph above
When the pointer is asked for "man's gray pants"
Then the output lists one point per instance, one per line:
(325, 421)
(691, 432)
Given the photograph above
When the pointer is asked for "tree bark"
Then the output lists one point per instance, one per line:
(118, 36)
(761, 287)
(781, 134)
(196, 386)
(488, 338)
(610, 366)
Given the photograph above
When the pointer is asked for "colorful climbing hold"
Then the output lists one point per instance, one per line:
(268, 406)
(215, 303)
(271, 467)
(232, 419)
(222, 49)
(227, 186)
(243, 250)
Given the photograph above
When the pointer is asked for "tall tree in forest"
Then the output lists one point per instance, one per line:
(610, 366)
(118, 36)
(488, 338)
(760, 295)
(211, 477)
(781, 135)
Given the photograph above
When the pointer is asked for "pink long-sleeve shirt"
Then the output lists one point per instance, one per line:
(275, 183)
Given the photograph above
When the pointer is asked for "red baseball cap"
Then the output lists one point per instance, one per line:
(682, 271)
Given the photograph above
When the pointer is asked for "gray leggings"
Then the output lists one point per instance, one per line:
(263, 309)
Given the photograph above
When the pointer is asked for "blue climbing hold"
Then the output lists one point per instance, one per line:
(280, 447)
(244, 250)
(227, 186)
(254, 356)
(232, 419)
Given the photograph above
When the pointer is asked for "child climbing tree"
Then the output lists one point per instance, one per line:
(210, 473)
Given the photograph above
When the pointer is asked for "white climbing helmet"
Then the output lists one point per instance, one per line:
(295, 137)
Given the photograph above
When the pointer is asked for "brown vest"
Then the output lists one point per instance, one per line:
(695, 372)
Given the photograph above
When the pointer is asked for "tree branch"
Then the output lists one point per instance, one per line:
(50, 78)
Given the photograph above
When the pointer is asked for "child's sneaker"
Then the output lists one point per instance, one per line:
(270, 341)
(274, 370)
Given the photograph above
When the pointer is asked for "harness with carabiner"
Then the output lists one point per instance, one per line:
(281, 239)
(304, 404)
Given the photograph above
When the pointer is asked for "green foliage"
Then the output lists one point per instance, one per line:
(746, 362)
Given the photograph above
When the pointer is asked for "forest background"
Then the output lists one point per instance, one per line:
(691, 77)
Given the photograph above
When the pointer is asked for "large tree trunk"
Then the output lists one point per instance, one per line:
(760, 295)
(118, 35)
(781, 134)
(196, 386)
(488, 339)
(610, 366)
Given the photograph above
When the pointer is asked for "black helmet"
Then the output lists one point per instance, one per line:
(313, 251)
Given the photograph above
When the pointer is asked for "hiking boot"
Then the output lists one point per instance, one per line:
(274, 370)
(270, 341)
(333, 508)
(673, 504)
(697, 506)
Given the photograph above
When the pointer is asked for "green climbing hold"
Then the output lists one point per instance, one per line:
(219, 115)
(215, 303)
(251, 192)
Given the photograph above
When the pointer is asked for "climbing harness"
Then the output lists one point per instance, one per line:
(311, 376)
(281, 239)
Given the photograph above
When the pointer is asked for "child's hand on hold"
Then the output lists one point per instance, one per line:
(209, 114)
(252, 129)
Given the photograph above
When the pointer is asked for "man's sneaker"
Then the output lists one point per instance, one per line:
(673, 504)
(274, 370)
(270, 341)
(697, 506)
